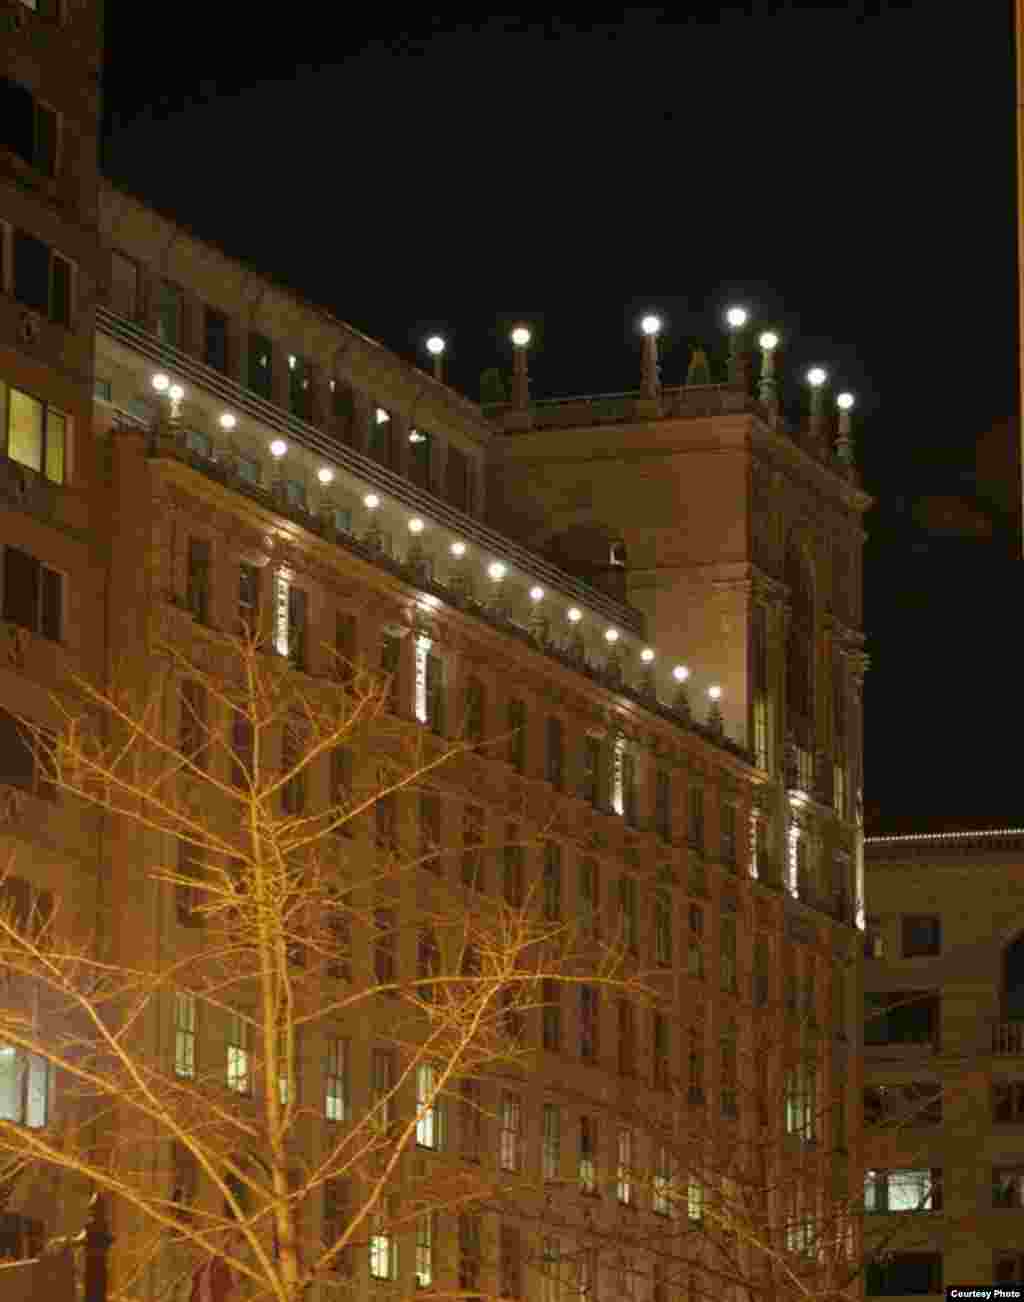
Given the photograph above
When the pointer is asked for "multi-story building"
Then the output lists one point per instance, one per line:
(653, 601)
(944, 1049)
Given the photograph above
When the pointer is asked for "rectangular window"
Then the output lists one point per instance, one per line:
(922, 935)
(695, 1068)
(512, 866)
(728, 829)
(695, 818)
(470, 1120)
(627, 1038)
(663, 917)
(336, 1088)
(695, 952)
(694, 1199)
(1007, 1101)
(31, 281)
(385, 819)
(336, 1212)
(473, 721)
(510, 1263)
(390, 660)
(429, 1109)
(33, 595)
(899, 1274)
(759, 684)
(384, 947)
(215, 339)
(551, 1148)
(663, 804)
(554, 760)
(434, 685)
(341, 790)
(629, 921)
(589, 1023)
(260, 371)
(624, 1170)
(589, 782)
(383, 1245)
(169, 313)
(197, 590)
(60, 291)
(660, 1052)
(511, 1132)
(457, 478)
(297, 627)
(727, 953)
(551, 1016)
(24, 1087)
(248, 599)
(430, 830)
(903, 1190)
(551, 1269)
(124, 286)
(185, 1035)
(294, 743)
(420, 444)
(728, 1066)
(661, 1199)
(36, 435)
(761, 972)
(588, 1155)
(239, 1054)
(588, 899)
(192, 723)
(382, 1083)
(552, 901)
(901, 1017)
(300, 387)
(425, 1235)
(629, 788)
(472, 840)
(188, 895)
(469, 1251)
(801, 1092)
(288, 1066)
(1008, 1268)
(241, 750)
(345, 649)
(517, 735)
(380, 445)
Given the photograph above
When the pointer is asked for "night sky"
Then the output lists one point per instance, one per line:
(847, 171)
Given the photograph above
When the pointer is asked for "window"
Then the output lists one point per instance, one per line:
(457, 478)
(663, 917)
(589, 1016)
(295, 494)
(336, 1089)
(297, 627)
(659, 1282)
(512, 866)
(186, 1180)
(239, 1054)
(510, 1262)
(33, 596)
(197, 591)
(551, 1141)
(384, 947)
(380, 445)
(382, 1083)
(248, 470)
(60, 291)
(192, 723)
(185, 1035)
(627, 777)
(470, 1120)
(903, 1191)
(248, 599)
(695, 1068)
(430, 830)
(727, 1049)
(661, 1197)
(36, 436)
(759, 677)
(469, 1251)
(588, 899)
(1008, 1186)
(762, 965)
(383, 1244)
(695, 953)
(260, 371)
(425, 1234)
(434, 684)
(294, 743)
(300, 387)
(511, 1132)
(345, 633)
(390, 659)
(241, 749)
(24, 1087)
(554, 770)
(727, 954)
(124, 286)
(694, 1199)
(429, 1110)
(660, 1054)
(695, 818)
(589, 784)
(901, 1017)
(472, 840)
(517, 735)
(627, 1038)
(624, 1189)
(337, 1202)
(473, 722)
(551, 1016)
(187, 892)
(663, 804)
(588, 1155)
(168, 313)
(728, 829)
(428, 965)
(420, 444)
(922, 935)
(215, 340)
(288, 1066)
(28, 128)
(628, 917)
(801, 1092)
(552, 884)
(874, 941)
(42, 279)
(899, 1274)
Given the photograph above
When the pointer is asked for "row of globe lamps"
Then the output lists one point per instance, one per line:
(496, 572)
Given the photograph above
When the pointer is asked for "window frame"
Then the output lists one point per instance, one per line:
(47, 409)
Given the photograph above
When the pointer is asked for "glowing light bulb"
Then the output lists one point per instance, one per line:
(737, 317)
(816, 377)
(536, 593)
(496, 571)
(611, 635)
(278, 448)
(227, 421)
(160, 383)
(715, 692)
(415, 525)
(647, 655)
(371, 501)
(845, 401)
(458, 549)
(769, 340)
(175, 393)
(680, 673)
(574, 614)
(650, 324)
(521, 336)
(435, 345)
(325, 474)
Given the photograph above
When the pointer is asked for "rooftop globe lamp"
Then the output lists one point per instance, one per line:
(650, 381)
(715, 720)
(174, 392)
(458, 550)
(496, 571)
(768, 341)
(574, 614)
(681, 700)
(817, 377)
(577, 647)
(278, 448)
(371, 501)
(844, 442)
(436, 347)
(415, 556)
(647, 684)
(161, 383)
(415, 525)
(735, 318)
(373, 537)
(611, 636)
(520, 337)
(227, 421)
(459, 579)
(326, 475)
(536, 593)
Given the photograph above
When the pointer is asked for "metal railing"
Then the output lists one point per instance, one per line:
(363, 467)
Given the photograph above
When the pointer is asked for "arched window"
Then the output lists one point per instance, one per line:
(800, 658)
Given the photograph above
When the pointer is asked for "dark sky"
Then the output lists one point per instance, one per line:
(846, 170)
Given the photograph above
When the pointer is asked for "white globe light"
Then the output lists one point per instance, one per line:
(291, 361)
(382, 416)
(160, 383)
(737, 317)
(536, 593)
(816, 377)
(650, 324)
(278, 448)
(612, 635)
(574, 615)
(176, 393)
(845, 401)
(227, 421)
(325, 474)
(371, 501)
(458, 549)
(715, 692)
(769, 340)
(435, 345)
(680, 673)
(647, 655)
(415, 436)
(521, 336)
(415, 525)
(496, 571)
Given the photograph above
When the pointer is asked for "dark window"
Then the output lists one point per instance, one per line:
(660, 1059)
(31, 272)
(187, 896)
(629, 788)
(344, 412)
(589, 1019)
(192, 722)
(1008, 1187)
(248, 599)
(260, 374)
(434, 670)
(457, 478)
(300, 388)
(517, 735)
(430, 829)
(922, 935)
(345, 628)
(512, 866)
(297, 627)
(589, 784)
(60, 291)
(169, 311)
(293, 745)
(198, 590)
(18, 762)
(341, 787)
(901, 1017)
(555, 754)
(381, 446)
(511, 1262)
(28, 128)
(627, 1039)
(215, 340)
(33, 594)
(336, 1215)
(390, 658)
(695, 820)
(1008, 1268)
(473, 724)
(728, 817)
(1008, 1101)
(124, 285)
(472, 840)
(663, 805)
(551, 1019)
(552, 901)
(384, 947)
(241, 750)
(904, 1272)
(419, 457)
(385, 814)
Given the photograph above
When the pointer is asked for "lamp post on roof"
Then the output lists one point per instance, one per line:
(817, 378)
(736, 318)
(844, 441)
(520, 337)
(767, 391)
(436, 347)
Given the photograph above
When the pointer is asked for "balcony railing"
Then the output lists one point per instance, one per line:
(364, 468)
(617, 408)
